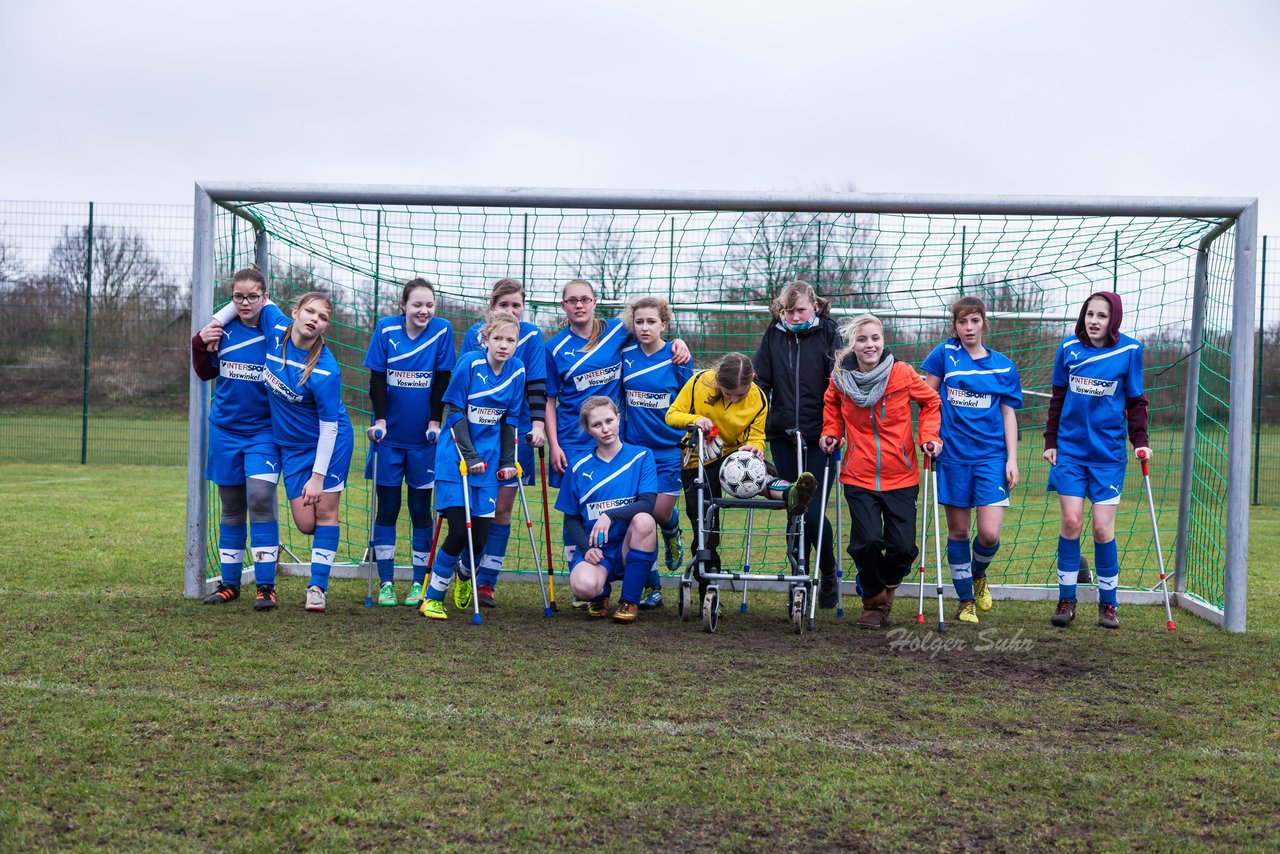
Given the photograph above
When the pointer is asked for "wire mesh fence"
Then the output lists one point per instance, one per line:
(94, 317)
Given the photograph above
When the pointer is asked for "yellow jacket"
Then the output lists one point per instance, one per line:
(740, 423)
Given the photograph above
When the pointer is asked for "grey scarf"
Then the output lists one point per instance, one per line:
(864, 389)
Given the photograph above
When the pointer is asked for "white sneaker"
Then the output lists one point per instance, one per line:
(315, 599)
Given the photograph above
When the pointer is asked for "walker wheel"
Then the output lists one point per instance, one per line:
(684, 601)
(711, 609)
(799, 601)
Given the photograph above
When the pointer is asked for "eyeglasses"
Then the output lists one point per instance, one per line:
(249, 298)
(578, 300)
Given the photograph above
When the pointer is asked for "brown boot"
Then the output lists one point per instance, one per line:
(888, 604)
(873, 611)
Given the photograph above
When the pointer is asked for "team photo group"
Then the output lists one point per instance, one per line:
(629, 424)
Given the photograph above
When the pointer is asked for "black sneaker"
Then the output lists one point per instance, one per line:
(224, 593)
(800, 493)
(1107, 617)
(828, 596)
(265, 599)
(1084, 577)
(1065, 614)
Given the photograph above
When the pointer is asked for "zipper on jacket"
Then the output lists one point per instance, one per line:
(875, 431)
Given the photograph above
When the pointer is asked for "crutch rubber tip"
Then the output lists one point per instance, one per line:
(839, 613)
(942, 628)
(476, 620)
(546, 612)
(919, 619)
(368, 601)
(742, 609)
(1171, 625)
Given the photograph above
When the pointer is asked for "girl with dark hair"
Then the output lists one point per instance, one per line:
(243, 459)
(410, 358)
(725, 399)
(1097, 398)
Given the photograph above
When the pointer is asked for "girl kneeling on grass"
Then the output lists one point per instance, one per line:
(481, 412)
(726, 400)
(868, 403)
(607, 497)
(980, 390)
(1097, 394)
(243, 459)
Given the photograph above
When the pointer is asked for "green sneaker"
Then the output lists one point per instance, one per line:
(387, 594)
(461, 592)
(674, 550)
(414, 598)
(433, 609)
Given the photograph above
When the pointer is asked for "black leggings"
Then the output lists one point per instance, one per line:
(455, 541)
(882, 535)
(711, 539)
(389, 506)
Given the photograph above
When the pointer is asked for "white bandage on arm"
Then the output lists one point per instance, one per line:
(324, 447)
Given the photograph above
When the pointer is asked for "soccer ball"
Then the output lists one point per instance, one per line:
(742, 474)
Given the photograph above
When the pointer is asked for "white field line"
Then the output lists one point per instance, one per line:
(22, 484)
(88, 594)
(448, 713)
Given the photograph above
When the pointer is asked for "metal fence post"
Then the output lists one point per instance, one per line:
(88, 315)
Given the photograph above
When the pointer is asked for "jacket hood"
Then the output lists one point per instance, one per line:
(1113, 328)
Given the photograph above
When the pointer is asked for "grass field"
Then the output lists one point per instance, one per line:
(132, 719)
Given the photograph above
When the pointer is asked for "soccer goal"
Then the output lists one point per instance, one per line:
(1184, 268)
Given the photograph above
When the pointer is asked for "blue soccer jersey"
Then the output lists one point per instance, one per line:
(297, 408)
(575, 374)
(972, 392)
(239, 397)
(1092, 428)
(487, 400)
(593, 486)
(649, 387)
(531, 352)
(410, 365)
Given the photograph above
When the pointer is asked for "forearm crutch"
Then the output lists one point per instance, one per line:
(546, 525)
(1155, 533)
(476, 619)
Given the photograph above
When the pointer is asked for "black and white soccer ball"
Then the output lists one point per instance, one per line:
(742, 474)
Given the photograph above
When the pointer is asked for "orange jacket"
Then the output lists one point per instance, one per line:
(880, 452)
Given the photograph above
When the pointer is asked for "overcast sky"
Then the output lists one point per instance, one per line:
(133, 101)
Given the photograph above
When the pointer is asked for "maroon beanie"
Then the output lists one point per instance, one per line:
(1113, 328)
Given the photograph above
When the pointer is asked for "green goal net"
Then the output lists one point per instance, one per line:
(719, 269)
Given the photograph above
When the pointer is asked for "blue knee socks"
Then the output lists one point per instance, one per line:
(421, 553)
(231, 552)
(982, 557)
(1107, 567)
(441, 574)
(1068, 568)
(961, 568)
(635, 574)
(384, 551)
(264, 542)
(324, 545)
(495, 551)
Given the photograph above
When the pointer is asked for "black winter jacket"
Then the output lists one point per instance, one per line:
(787, 361)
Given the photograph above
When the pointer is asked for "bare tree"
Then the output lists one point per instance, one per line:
(10, 266)
(608, 256)
(834, 252)
(125, 272)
